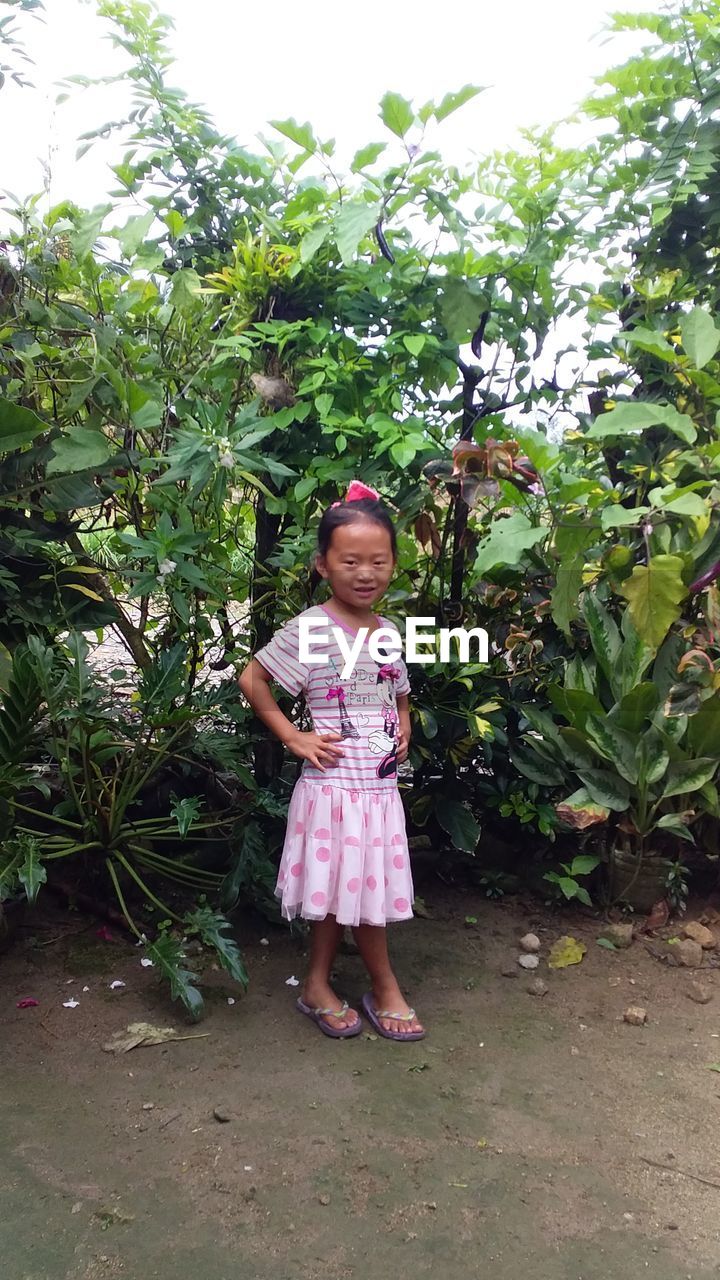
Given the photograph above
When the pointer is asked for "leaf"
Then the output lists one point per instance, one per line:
(18, 426)
(32, 873)
(133, 234)
(367, 156)
(414, 342)
(185, 812)
(427, 720)
(168, 957)
(461, 303)
(507, 542)
(632, 416)
(617, 517)
(186, 291)
(252, 849)
(84, 591)
(687, 504)
(604, 634)
(654, 592)
(606, 943)
(537, 769)
(352, 223)
(211, 926)
(614, 744)
(459, 823)
(305, 487)
(686, 776)
(452, 101)
(583, 864)
(566, 951)
(605, 788)
(700, 337)
(313, 241)
(81, 450)
(580, 812)
(301, 134)
(637, 706)
(397, 113)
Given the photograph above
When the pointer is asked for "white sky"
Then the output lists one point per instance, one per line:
(326, 61)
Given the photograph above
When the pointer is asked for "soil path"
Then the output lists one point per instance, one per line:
(510, 1143)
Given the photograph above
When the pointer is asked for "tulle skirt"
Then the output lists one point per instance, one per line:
(345, 855)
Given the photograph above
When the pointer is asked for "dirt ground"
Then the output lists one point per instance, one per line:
(517, 1140)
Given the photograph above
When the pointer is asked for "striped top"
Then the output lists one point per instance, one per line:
(362, 708)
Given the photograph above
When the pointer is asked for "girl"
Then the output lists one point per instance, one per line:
(345, 859)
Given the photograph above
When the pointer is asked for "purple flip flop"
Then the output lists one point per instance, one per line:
(318, 1016)
(374, 1015)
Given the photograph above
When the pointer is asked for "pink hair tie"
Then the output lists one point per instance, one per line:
(356, 492)
(389, 672)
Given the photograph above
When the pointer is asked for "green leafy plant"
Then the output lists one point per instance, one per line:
(567, 879)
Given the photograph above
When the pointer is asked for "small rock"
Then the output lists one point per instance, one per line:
(324, 1198)
(698, 992)
(538, 987)
(689, 953)
(148, 1106)
(528, 962)
(222, 1115)
(672, 1226)
(530, 943)
(701, 934)
(621, 935)
(635, 1015)
(508, 973)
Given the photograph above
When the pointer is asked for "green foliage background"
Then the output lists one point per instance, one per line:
(192, 371)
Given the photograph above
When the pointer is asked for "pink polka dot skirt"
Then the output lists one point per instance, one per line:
(345, 855)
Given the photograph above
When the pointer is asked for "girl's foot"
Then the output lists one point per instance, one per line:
(319, 995)
(388, 996)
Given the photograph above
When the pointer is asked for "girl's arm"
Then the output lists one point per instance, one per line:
(403, 706)
(254, 683)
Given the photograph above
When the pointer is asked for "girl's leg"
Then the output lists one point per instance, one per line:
(317, 992)
(372, 943)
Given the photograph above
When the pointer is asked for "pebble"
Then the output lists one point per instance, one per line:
(528, 962)
(324, 1198)
(698, 992)
(530, 943)
(688, 953)
(699, 933)
(148, 1106)
(621, 935)
(538, 987)
(635, 1015)
(222, 1115)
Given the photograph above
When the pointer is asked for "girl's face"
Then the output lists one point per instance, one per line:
(359, 563)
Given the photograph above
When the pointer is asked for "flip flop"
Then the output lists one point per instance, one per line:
(318, 1016)
(374, 1015)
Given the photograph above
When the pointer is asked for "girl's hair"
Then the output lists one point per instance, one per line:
(341, 513)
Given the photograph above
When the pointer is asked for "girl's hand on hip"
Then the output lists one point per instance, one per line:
(403, 746)
(318, 749)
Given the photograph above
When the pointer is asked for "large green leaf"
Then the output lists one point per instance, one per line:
(606, 788)
(367, 156)
(615, 745)
(212, 928)
(636, 707)
(633, 661)
(79, 450)
(452, 101)
(461, 304)
(18, 426)
(633, 416)
(186, 291)
(31, 872)
(700, 337)
(507, 542)
(459, 823)
(352, 224)
(617, 517)
(579, 811)
(397, 113)
(654, 592)
(604, 634)
(703, 732)
(533, 766)
(577, 749)
(686, 776)
(168, 956)
(301, 134)
(653, 758)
